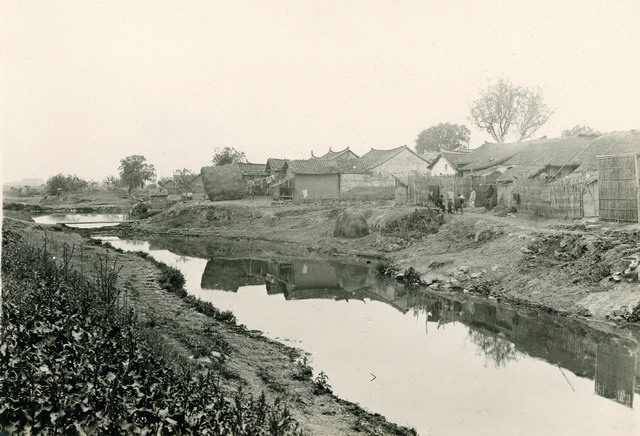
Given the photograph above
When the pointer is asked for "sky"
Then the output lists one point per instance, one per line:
(87, 83)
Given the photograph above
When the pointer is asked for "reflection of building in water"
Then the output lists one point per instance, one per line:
(501, 332)
(615, 373)
(304, 279)
(230, 274)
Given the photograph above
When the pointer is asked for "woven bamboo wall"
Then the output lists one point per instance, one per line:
(618, 188)
(560, 199)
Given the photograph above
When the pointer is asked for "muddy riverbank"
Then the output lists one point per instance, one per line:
(559, 266)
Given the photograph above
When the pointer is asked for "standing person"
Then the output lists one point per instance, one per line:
(459, 201)
(440, 203)
(449, 204)
(472, 199)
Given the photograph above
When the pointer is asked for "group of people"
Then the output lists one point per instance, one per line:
(453, 204)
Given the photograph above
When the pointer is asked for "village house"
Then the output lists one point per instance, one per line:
(340, 175)
(448, 163)
(541, 160)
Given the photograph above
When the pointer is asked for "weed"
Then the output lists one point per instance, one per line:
(321, 384)
(386, 269)
(302, 371)
(411, 276)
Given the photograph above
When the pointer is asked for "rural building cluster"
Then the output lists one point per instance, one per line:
(568, 177)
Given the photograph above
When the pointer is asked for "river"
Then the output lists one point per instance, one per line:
(442, 364)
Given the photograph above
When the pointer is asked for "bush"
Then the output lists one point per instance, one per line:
(172, 280)
(411, 276)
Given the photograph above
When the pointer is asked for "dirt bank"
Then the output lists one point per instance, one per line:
(561, 266)
(244, 359)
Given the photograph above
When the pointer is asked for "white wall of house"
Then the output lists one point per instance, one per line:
(442, 167)
(403, 164)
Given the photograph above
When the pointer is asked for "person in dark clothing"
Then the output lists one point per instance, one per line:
(459, 201)
(440, 203)
(449, 205)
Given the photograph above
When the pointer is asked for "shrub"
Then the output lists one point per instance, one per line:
(386, 269)
(411, 276)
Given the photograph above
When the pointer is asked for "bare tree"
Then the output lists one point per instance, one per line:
(505, 107)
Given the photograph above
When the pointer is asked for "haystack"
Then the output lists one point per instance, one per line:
(223, 182)
(351, 224)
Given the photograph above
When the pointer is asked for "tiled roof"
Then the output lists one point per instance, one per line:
(455, 158)
(313, 166)
(346, 154)
(378, 157)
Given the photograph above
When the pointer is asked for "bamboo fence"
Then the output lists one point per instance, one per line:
(618, 188)
(560, 199)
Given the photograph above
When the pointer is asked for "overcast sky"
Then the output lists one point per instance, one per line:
(86, 83)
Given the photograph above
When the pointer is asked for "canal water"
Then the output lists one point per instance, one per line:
(440, 364)
(89, 220)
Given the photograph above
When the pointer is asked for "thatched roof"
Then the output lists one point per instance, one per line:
(608, 144)
(556, 152)
(343, 154)
(251, 169)
(274, 164)
(491, 154)
(521, 172)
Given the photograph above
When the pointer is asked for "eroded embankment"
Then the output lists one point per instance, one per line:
(559, 266)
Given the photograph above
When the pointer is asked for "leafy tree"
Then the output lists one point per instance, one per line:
(65, 184)
(111, 183)
(134, 171)
(505, 107)
(185, 180)
(228, 155)
(444, 136)
(579, 130)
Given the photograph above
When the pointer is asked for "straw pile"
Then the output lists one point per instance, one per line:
(351, 224)
(223, 182)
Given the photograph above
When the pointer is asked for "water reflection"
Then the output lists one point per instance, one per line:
(501, 333)
(88, 220)
(445, 364)
(305, 279)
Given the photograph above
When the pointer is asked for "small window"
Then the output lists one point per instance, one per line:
(446, 167)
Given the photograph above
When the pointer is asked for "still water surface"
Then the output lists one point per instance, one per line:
(441, 365)
(88, 220)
